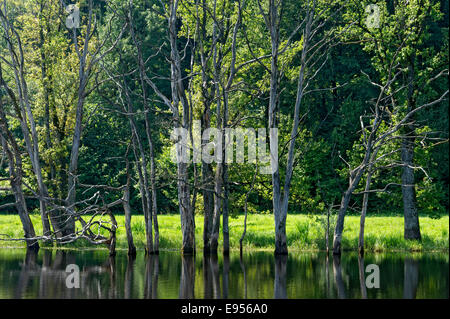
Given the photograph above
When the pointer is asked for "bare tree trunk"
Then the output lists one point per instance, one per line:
(225, 210)
(179, 97)
(214, 243)
(208, 203)
(241, 240)
(87, 60)
(341, 215)
(83, 74)
(69, 228)
(15, 172)
(280, 227)
(281, 198)
(113, 239)
(46, 78)
(412, 227)
(207, 95)
(152, 199)
(23, 110)
(217, 58)
(327, 230)
(127, 210)
(141, 164)
(364, 212)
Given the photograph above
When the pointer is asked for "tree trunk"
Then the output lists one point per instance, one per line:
(217, 209)
(179, 97)
(208, 205)
(152, 199)
(364, 212)
(280, 230)
(16, 173)
(127, 210)
(412, 227)
(225, 209)
(141, 164)
(354, 181)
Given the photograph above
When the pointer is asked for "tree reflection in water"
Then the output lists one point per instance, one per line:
(252, 275)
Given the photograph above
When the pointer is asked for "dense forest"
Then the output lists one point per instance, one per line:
(91, 94)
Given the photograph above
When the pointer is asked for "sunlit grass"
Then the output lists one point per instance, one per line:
(304, 233)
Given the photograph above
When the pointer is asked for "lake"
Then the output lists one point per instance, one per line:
(256, 275)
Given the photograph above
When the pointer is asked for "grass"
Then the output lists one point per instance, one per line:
(304, 233)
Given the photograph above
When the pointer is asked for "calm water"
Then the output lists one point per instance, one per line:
(257, 275)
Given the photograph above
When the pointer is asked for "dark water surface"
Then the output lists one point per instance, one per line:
(257, 275)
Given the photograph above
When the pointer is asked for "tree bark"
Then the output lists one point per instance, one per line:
(16, 174)
(127, 210)
(412, 227)
(179, 97)
(364, 212)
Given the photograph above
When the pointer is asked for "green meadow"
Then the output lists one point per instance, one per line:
(305, 233)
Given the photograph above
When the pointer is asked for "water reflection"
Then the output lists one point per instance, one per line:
(337, 271)
(257, 275)
(151, 277)
(411, 280)
(362, 277)
(280, 277)
(187, 280)
(129, 276)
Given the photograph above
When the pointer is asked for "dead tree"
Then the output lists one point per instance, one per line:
(14, 158)
(127, 210)
(22, 107)
(88, 58)
(313, 58)
(374, 139)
